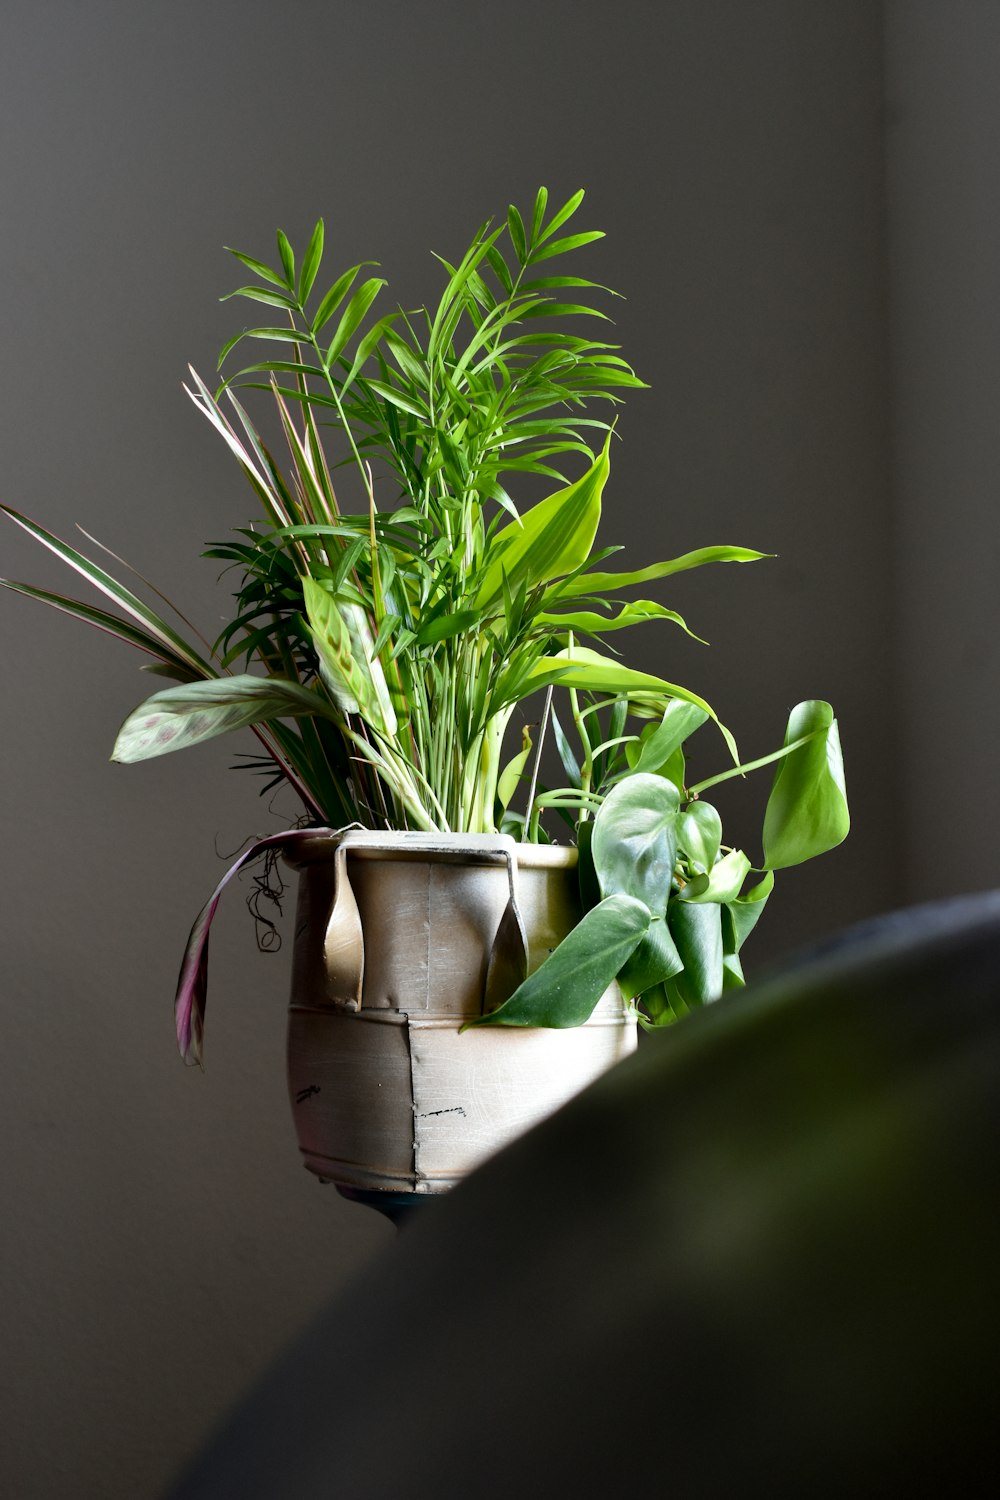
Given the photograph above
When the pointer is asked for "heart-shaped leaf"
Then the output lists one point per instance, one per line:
(634, 845)
(565, 988)
(807, 810)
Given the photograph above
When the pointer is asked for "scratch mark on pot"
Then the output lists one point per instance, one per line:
(304, 1094)
(429, 1114)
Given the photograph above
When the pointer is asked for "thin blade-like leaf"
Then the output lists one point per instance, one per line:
(192, 983)
(310, 263)
(113, 590)
(601, 583)
(110, 624)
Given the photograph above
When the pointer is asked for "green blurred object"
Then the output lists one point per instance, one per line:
(760, 1257)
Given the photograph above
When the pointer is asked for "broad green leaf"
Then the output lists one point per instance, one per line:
(552, 538)
(634, 845)
(601, 583)
(740, 917)
(343, 675)
(655, 959)
(662, 1006)
(567, 986)
(586, 875)
(582, 668)
(723, 883)
(733, 977)
(197, 711)
(680, 720)
(700, 835)
(807, 811)
(697, 931)
(376, 705)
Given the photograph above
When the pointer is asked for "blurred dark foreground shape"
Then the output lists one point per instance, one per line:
(760, 1257)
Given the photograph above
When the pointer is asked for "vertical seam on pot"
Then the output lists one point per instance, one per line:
(429, 869)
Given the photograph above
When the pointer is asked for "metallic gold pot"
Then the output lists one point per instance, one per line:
(399, 939)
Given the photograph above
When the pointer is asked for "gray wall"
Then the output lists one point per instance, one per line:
(943, 116)
(161, 1241)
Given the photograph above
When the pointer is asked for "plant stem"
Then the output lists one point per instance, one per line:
(753, 765)
(529, 818)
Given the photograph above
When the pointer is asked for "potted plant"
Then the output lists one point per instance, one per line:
(380, 649)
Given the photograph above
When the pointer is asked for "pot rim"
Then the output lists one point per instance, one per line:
(448, 848)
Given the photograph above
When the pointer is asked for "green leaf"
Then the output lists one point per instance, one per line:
(589, 622)
(697, 931)
(680, 720)
(600, 583)
(538, 213)
(700, 835)
(807, 811)
(287, 258)
(513, 771)
(258, 267)
(310, 263)
(553, 537)
(565, 988)
(740, 917)
(570, 764)
(262, 294)
(583, 668)
(170, 662)
(634, 844)
(571, 242)
(404, 401)
(723, 883)
(353, 314)
(516, 228)
(559, 218)
(197, 711)
(335, 296)
(655, 959)
(145, 617)
(340, 670)
(442, 627)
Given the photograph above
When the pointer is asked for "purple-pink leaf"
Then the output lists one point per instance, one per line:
(192, 984)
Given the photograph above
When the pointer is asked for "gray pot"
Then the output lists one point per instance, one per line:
(399, 939)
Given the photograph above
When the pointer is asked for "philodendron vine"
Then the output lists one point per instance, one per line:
(381, 646)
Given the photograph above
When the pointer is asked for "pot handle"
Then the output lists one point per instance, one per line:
(344, 944)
